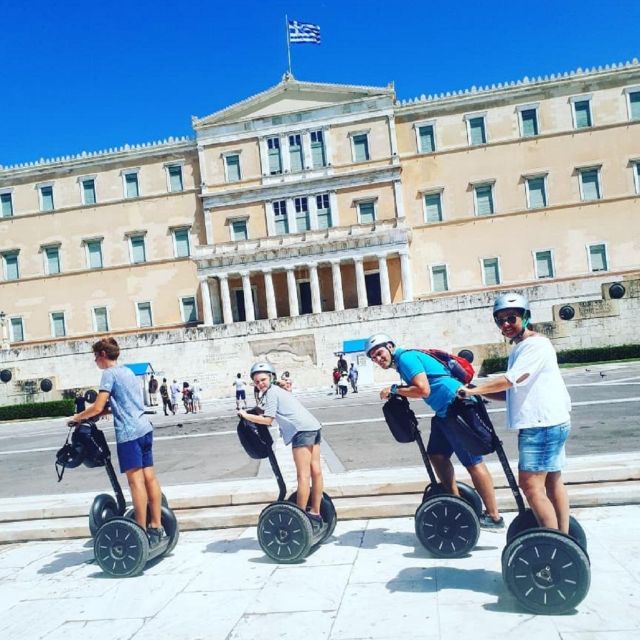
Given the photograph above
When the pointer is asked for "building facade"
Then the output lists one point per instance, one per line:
(313, 198)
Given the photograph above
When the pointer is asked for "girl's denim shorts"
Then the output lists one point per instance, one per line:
(542, 448)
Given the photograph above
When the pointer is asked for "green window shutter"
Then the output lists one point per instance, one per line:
(175, 178)
(144, 313)
(233, 168)
(484, 200)
(12, 272)
(17, 330)
(47, 198)
(427, 139)
(478, 133)
(275, 161)
(296, 162)
(544, 264)
(189, 310)
(138, 253)
(367, 212)
(598, 255)
(433, 207)
(89, 192)
(529, 122)
(302, 214)
(131, 182)
(95, 254)
(583, 114)
(239, 230)
(102, 322)
(440, 278)
(537, 194)
(6, 202)
(280, 217)
(590, 184)
(318, 154)
(53, 260)
(182, 243)
(491, 271)
(634, 105)
(361, 147)
(324, 211)
(59, 328)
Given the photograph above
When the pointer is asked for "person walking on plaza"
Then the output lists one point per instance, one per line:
(79, 402)
(538, 407)
(428, 379)
(343, 384)
(187, 398)
(134, 434)
(164, 394)
(196, 396)
(336, 380)
(153, 391)
(298, 427)
(241, 393)
(176, 396)
(353, 377)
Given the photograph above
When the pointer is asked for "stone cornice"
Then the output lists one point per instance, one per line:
(301, 188)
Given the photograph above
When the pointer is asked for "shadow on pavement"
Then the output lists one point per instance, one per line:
(439, 578)
(67, 561)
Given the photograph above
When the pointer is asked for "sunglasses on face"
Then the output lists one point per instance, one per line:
(511, 319)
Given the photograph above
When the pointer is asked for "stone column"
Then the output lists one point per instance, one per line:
(338, 296)
(208, 226)
(316, 304)
(272, 311)
(249, 312)
(206, 302)
(313, 212)
(293, 292)
(385, 291)
(361, 285)
(227, 314)
(405, 273)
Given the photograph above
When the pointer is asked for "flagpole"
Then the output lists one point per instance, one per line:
(286, 20)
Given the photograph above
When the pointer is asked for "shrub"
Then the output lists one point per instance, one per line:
(52, 409)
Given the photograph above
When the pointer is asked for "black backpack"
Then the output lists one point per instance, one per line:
(401, 419)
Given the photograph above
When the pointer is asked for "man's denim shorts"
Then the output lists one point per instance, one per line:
(136, 453)
(306, 439)
(542, 448)
(442, 441)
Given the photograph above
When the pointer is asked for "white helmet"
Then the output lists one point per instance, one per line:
(262, 367)
(378, 340)
(511, 301)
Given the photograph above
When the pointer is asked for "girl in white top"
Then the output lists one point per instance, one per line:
(538, 406)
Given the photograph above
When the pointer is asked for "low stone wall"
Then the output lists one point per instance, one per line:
(305, 345)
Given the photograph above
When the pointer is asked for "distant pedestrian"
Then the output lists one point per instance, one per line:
(187, 398)
(241, 394)
(353, 378)
(176, 395)
(342, 363)
(196, 395)
(336, 379)
(79, 402)
(166, 400)
(343, 384)
(153, 391)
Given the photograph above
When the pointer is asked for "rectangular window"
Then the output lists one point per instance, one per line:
(94, 254)
(367, 212)
(52, 260)
(275, 160)
(360, 147)
(89, 191)
(636, 175)
(302, 214)
(634, 105)
(590, 184)
(138, 252)
(296, 160)
(11, 269)
(491, 271)
(175, 178)
(17, 330)
(477, 132)
(536, 192)
(598, 257)
(529, 122)
(544, 264)
(318, 151)
(484, 199)
(182, 246)
(439, 278)
(280, 217)
(232, 167)
(131, 185)
(582, 114)
(239, 230)
(324, 211)
(144, 314)
(6, 205)
(100, 319)
(433, 207)
(58, 325)
(189, 311)
(426, 139)
(46, 198)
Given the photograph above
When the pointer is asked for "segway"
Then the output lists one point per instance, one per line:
(121, 546)
(285, 532)
(448, 526)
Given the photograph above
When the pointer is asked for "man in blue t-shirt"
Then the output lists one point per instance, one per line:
(427, 378)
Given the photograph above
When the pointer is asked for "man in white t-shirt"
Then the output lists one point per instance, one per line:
(538, 406)
(241, 394)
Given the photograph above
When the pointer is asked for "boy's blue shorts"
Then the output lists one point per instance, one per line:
(443, 441)
(136, 453)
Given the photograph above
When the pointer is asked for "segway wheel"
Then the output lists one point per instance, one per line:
(171, 528)
(103, 508)
(548, 572)
(284, 532)
(527, 521)
(327, 511)
(447, 526)
(466, 493)
(121, 548)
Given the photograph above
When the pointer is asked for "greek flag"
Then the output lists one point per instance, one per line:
(304, 32)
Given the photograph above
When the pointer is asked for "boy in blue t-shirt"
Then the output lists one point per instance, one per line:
(134, 434)
(427, 378)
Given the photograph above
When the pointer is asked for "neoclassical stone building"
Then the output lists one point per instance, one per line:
(312, 198)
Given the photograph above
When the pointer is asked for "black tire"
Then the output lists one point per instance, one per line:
(447, 526)
(103, 508)
(327, 511)
(121, 548)
(165, 502)
(467, 493)
(527, 521)
(171, 528)
(284, 532)
(547, 571)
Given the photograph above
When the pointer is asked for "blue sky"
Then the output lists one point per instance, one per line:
(80, 76)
